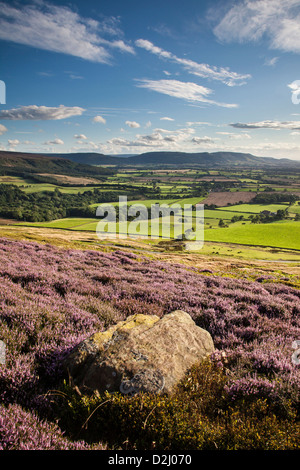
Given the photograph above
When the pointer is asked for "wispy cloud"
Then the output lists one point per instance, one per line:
(40, 113)
(252, 20)
(3, 129)
(294, 125)
(201, 70)
(271, 62)
(59, 29)
(185, 90)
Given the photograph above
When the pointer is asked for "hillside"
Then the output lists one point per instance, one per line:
(19, 163)
(246, 397)
(182, 159)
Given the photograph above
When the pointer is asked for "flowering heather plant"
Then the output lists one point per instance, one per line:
(22, 430)
(52, 298)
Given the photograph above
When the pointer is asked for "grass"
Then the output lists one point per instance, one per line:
(294, 209)
(149, 202)
(67, 223)
(280, 234)
(220, 214)
(255, 208)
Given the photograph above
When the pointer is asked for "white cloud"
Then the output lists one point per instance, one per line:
(99, 119)
(166, 119)
(54, 142)
(2, 129)
(13, 142)
(160, 139)
(198, 123)
(201, 70)
(184, 90)
(41, 113)
(59, 29)
(132, 124)
(295, 125)
(253, 20)
(295, 87)
(80, 136)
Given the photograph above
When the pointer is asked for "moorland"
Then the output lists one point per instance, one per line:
(60, 283)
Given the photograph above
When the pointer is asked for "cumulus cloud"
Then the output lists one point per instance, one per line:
(162, 139)
(59, 29)
(13, 142)
(99, 119)
(132, 124)
(185, 90)
(253, 20)
(202, 140)
(201, 70)
(3, 129)
(80, 136)
(54, 142)
(294, 125)
(40, 113)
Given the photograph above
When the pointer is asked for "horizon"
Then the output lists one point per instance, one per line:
(124, 156)
(117, 78)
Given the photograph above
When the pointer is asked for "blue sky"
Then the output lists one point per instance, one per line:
(134, 76)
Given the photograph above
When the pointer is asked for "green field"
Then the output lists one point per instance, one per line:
(220, 214)
(148, 202)
(294, 209)
(254, 208)
(68, 223)
(281, 234)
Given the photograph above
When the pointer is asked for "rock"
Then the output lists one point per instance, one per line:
(142, 353)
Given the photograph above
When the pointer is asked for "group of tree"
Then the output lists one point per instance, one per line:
(49, 205)
(267, 217)
(275, 198)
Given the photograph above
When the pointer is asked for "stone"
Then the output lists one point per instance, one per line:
(143, 353)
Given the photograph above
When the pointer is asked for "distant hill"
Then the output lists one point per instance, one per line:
(182, 159)
(19, 163)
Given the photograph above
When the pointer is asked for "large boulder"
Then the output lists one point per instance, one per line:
(142, 353)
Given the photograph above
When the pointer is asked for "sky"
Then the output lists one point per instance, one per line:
(135, 76)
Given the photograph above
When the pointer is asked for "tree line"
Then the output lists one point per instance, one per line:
(50, 205)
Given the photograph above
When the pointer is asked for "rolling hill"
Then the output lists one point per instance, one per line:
(19, 163)
(182, 159)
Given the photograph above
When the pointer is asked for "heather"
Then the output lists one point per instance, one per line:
(53, 298)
